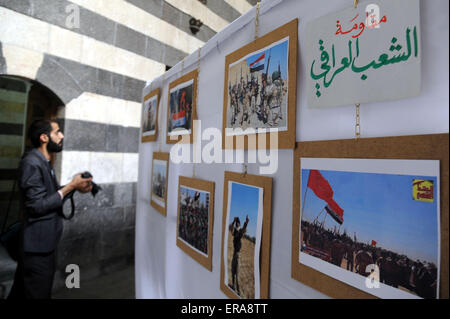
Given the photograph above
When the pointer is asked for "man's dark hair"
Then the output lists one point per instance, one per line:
(37, 128)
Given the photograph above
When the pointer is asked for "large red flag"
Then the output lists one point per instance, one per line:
(323, 190)
(320, 185)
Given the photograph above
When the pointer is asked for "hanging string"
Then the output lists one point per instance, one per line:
(357, 125)
(257, 20)
(217, 46)
(357, 122)
(258, 7)
(182, 65)
(160, 114)
(143, 111)
(197, 99)
(198, 79)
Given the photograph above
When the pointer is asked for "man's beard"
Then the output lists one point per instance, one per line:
(52, 147)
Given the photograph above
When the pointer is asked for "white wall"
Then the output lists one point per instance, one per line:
(162, 269)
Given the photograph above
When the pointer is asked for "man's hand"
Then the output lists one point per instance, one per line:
(245, 224)
(83, 185)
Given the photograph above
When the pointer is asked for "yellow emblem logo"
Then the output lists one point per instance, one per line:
(423, 190)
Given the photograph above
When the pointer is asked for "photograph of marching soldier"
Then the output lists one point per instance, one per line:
(159, 181)
(391, 226)
(181, 109)
(258, 89)
(193, 219)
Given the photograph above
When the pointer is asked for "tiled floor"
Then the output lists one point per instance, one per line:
(117, 285)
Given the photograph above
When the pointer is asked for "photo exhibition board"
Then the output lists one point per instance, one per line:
(181, 108)
(150, 116)
(260, 90)
(159, 182)
(195, 219)
(411, 172)
(165, 271)
(246, 236)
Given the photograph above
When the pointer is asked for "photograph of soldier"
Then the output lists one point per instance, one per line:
(258, 89)
(159, 182)
(149, 116)
(241, 239)
(237, 232)
(193, 218)
(385, 225)
(180, 113)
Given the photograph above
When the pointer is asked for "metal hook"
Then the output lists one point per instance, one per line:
(357, 124)
(257, 20)
(217, 46)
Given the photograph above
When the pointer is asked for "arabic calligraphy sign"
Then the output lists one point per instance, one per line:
(365, 54)
(423, 190)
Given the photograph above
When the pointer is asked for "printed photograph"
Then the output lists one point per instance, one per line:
(242, 241)
(352, 220)
(159, 180)
(149, 116)
(181, 109)
(193, 218)
(258, 89)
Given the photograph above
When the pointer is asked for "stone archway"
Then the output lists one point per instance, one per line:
(21, 101)
(42, 68)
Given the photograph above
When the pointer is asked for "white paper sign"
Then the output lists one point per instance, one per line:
(366, 54)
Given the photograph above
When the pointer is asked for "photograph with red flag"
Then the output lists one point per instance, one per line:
(258, 89)
(181, 109)
(387, 228)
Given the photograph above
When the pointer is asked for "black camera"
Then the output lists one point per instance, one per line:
(95, 187)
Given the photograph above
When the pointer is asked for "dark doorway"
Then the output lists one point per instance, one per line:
(21, 102)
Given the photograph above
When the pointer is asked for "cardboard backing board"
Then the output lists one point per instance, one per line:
(193, 75)
(418, 147)
(265, 183)
(153, 137)
(206, 186)
(286, 139)
(162, 157)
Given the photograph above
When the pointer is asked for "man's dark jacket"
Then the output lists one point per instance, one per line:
(43, 223)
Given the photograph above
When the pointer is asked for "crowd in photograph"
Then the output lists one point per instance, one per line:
(159, 183)
(343, 250)
(194, 222)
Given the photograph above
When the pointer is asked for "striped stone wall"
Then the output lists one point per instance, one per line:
(98, 70)
(13, 105)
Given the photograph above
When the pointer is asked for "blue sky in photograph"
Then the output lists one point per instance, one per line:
(380, 207)
(278, 54)
(191, 192)
(244, 201)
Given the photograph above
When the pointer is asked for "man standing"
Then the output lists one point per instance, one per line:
(42, 200)
(237, 233)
